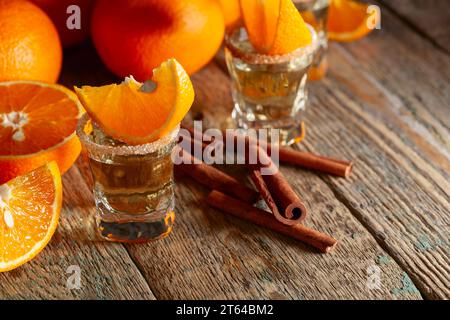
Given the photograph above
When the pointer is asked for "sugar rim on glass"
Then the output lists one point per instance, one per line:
(259, 58)
(123, 150)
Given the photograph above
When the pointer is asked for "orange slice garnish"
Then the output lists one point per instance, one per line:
(274, 27)
(310, 18)
(350, 20)
(130, 113)
(232, 13)
(37, 125)
(29, 214)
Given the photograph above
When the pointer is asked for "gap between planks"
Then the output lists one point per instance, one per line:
(341, 198)
(141, 272)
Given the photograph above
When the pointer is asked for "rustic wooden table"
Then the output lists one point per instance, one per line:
(385, 103)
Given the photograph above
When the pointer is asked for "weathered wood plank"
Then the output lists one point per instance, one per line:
(210, 255)
(107, 271)
(381, 90)
(374, 101)
(408, 217)
(406, 86)
(430, 17)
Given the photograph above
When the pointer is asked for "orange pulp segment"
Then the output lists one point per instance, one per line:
(29, 212)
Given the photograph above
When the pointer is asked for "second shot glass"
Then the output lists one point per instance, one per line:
(268, 91)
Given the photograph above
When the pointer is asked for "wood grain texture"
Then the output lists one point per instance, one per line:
(407, 215)
(388, 108)
(403, 81)
(107, 271)
(429, 17)
(211, 255)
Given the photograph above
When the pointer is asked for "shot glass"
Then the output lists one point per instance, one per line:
(268, 91)
(133, 185)
(315, 13)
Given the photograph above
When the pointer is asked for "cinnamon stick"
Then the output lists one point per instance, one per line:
(281, 192)
(275, 189)
(246, 211)
(279, 196)
(215, 179)
(341, 168)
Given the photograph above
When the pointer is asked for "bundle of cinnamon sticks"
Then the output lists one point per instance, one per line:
(287, 211)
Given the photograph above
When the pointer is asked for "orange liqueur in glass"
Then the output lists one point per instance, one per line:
(133, 186)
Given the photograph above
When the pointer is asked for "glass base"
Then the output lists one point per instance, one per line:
(131, 228)
(290, 127)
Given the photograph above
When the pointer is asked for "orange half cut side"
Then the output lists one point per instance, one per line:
(37, 125)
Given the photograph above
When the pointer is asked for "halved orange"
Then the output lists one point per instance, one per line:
(349, 20)
(274, 27)
(131, 113)
(37, 125)
(29, 214)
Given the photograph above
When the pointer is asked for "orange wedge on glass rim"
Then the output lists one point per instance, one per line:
(29, 213)
(274, 27)
(350, 20)
(134, 114)
(37, 125)
(232, 13)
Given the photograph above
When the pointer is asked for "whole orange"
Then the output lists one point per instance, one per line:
(29, 44)
(57, 11)
(134, 37)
